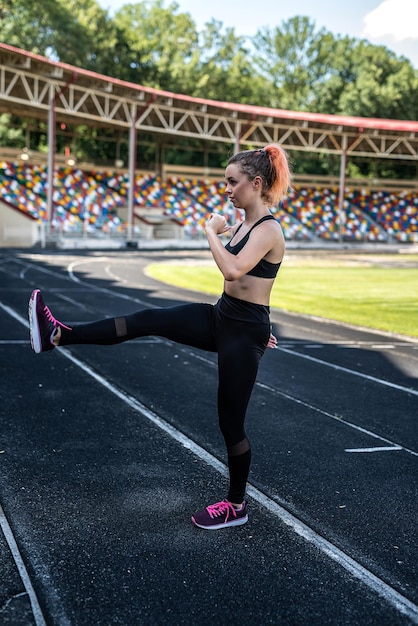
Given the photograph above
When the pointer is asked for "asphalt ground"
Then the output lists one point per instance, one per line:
(105, 452)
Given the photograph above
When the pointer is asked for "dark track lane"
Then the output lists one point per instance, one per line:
(363, 503)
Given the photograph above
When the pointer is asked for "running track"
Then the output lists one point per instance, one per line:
(106, 452)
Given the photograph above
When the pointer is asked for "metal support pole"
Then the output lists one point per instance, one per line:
(235, 213)
(51, 161)
(51, 147)
(135, 115)
(341, 195)
(237, 146)
(132, 167)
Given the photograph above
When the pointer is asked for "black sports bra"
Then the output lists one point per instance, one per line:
(263, 269)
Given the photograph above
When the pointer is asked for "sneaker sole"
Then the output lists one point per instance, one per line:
(237, 522)
(35, 337)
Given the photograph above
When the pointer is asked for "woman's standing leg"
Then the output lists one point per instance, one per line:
(239, 355)
(240, 347)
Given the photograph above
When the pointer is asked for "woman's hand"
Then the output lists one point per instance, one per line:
(217, 223)
(272, 342)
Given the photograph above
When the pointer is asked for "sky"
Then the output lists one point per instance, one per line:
(392, 23)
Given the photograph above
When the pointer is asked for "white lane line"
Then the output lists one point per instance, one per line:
(407, 341)
(13, 342)
(72, 266)
(268, 388)
(329, 322)
(390, 595)
(309, 406)
(338, 419)
(11, 542)
(381, 449)
(394, 598)
(340, 368)
(114, 276)
(73, 278)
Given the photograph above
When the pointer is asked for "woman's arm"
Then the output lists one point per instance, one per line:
(233, 267)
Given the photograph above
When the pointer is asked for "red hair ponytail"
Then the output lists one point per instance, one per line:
(271, 163)
(281, 178)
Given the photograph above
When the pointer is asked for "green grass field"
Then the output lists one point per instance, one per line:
(375, 291)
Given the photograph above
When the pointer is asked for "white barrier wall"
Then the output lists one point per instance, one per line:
(17, 230)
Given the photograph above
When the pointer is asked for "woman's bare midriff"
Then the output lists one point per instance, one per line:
(250, 288)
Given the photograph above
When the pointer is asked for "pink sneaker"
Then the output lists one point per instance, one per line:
(220, 515)
(42, 324)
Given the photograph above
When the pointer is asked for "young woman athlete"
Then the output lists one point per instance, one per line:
(237, 327)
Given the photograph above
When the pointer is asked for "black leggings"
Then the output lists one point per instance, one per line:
(237, 330)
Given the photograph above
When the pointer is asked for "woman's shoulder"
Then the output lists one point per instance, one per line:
(270, 224)
(273, 233)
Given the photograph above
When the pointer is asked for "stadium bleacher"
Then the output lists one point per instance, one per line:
(308, 212)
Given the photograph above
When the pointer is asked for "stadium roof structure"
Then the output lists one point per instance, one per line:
(29, 83)
(35, 86)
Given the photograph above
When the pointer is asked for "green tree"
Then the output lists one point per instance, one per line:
(77, 32)
(26, 24)
(294, 58)
(11, 134)
(87, 37)
(224, 69)
(368, 81)
(340, 73)
(316, 71)
(292, 66)
(161, 44)
(382, 86)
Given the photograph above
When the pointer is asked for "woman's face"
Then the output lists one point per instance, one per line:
(239, 188)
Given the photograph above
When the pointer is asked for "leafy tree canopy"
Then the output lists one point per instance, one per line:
(291, 65)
